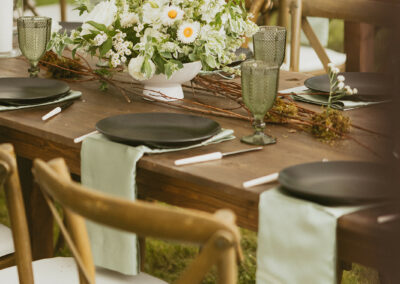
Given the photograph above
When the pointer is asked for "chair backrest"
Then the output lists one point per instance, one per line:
(217, 232)
(10, 180)
(376, 12)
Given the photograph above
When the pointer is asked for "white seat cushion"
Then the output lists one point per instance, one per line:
(309, 61)
(63, 270)
(6, 241)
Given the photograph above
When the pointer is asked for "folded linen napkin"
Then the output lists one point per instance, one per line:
(297, 239)
(110, 167)
(71, 96)
(342, 104)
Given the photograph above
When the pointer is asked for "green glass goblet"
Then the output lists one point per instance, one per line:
(270, 44)
(259, 89)
(33, 36)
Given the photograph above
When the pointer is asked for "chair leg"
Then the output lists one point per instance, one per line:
(63, 10)
(227, 267)
(7, 261)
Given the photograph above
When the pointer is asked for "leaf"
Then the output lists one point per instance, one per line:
(88, 37)
(49, 45)
(74, 52)
(146, 68)
(166, 54)
(68, 41)
(177, 62)
(105, 47)
(169, 69)
(98, 26)
(81, 9)
(159, 62)
(193, 57)
(210, 60)
(60, 49)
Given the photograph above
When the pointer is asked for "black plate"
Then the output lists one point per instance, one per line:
(339, 182)
(69, 26)
(161, 130)
(30, 90)
(371, 86)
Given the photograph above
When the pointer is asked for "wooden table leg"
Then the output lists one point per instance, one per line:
(359, 47)
(40, 220)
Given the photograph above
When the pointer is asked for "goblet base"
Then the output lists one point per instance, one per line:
(258, 139)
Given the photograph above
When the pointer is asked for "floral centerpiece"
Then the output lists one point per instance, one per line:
(160, 36)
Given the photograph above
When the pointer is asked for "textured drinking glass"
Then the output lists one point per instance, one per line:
(270, 45)
(33, 36)
(259, 87)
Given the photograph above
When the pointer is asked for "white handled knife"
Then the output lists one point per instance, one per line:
(212, 156)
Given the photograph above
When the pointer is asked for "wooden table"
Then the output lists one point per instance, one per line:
(206, 186)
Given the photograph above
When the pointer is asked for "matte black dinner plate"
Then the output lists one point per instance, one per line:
(30, 90)
(160, 130)
(69, 26)
(371, 86)
(338, 182)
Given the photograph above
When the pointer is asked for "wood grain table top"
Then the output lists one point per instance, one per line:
(206, 186)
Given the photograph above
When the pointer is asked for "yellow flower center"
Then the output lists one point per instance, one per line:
(172, 14)
(187, 32)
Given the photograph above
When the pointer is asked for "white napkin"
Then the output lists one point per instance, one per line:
(297, 239)
(110, 167)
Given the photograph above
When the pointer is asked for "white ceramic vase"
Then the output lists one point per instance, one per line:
(172, 87)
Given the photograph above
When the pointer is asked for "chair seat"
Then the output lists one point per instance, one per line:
(63, 270)
(6, 241)
(309, 61)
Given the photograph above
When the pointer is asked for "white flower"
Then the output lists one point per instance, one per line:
(340, 78)
(335, 70)
(104, 13)
(188, 32)
(135, 68)
(100, 39)
(129, 19)
(171, 14)
(355, 91)
(55, 27)
(340, 85)
(348, 90)
(151, 14)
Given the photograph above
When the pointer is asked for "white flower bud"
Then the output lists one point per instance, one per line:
(340, 78)
(341, 86)
(355, 91)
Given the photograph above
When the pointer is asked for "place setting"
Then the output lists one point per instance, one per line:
(28, 92)
(370, 89)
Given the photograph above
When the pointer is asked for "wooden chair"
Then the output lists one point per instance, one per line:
(14, 200)
(376, 12)
(216, 232)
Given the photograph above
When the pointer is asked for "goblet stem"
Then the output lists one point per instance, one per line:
(34, 70)
(259, 125)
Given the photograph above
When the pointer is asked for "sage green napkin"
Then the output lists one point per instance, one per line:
(71, 96)
(297, 239)
(342, 104)
(110, 167)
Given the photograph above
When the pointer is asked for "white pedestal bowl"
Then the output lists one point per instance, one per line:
(162, 88)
